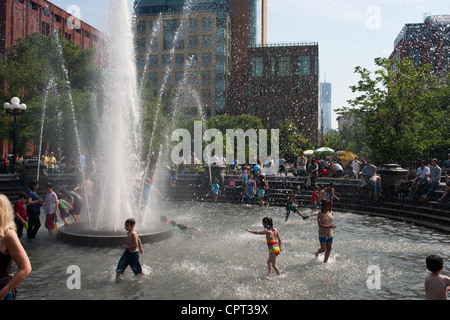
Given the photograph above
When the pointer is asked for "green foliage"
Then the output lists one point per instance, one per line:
(27, 69)
(404, 112)
(291, 141)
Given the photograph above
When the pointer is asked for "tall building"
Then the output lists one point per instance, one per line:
(208, 52)
(426, 42)
(325, 102)
(186, 46)
(19, 18)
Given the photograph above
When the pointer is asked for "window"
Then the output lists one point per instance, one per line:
(304, 65)
(284, 66)
(206, 42)
(193, 24)
(316, 66)
(257, 66)
(141, 27)
(206, 95)
(166, 60)
(299, 88)
(206, 77)
(141, 44)
(33, 5)
(154, 44)
(140, 62)
(273, 61)
(193, 42)
(179, 78)
(153, 62)
(415, 55)
(153, 77)
(193, 60)
(45, 28)
(206, 60)
(46, 12)
(173, 35)
(193, 78)
(179, 60)
(207, 24)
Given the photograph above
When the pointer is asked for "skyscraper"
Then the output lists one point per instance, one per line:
(325, 103)
(186, 45)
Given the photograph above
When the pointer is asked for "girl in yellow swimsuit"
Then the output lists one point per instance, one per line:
(273, 242)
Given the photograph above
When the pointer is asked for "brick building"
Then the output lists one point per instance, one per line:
(427, 42)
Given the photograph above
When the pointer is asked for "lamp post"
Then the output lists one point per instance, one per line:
(15, 108)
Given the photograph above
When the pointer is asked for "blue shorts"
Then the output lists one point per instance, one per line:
(9, 296)
(325, 240)
(129, 259)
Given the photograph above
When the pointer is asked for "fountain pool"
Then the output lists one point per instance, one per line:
(224, 261)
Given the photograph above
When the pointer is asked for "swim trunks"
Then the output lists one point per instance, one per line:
(290, 207)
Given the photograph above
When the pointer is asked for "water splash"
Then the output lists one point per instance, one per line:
(119, 141)
(50, 84)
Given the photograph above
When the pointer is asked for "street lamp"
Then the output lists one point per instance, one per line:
(15, 108)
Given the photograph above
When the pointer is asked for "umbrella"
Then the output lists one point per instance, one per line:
(347, 155)
(308, 152)
(323, 150)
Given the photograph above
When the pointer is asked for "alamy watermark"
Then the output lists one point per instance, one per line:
(236, 147)
(374, 279)
(373, 21)
(74, 21)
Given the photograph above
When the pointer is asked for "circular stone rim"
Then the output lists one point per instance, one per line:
(68, 235)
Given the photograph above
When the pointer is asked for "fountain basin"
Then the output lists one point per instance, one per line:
(80, 234)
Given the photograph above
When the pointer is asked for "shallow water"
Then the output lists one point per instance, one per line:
(224, 262)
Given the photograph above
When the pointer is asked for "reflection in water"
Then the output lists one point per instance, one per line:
(223, 261)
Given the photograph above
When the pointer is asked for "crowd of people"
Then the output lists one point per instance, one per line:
(53, 164)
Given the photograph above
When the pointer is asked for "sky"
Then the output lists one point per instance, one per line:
(350, 33)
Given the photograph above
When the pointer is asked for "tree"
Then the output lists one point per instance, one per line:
(34, 70)
(291, 141)
(403, 111)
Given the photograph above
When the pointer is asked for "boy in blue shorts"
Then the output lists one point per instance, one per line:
(132, 249)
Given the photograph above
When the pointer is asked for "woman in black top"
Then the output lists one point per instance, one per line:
(10, 250)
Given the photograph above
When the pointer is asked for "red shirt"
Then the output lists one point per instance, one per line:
(314, 196)
(20, 209)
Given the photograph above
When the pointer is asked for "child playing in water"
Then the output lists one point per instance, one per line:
(436, 285)
(132, 248)
(250, 190)
(215, 190)
(329, 194)
(173, 176)
(292, 205)
(314, 196)
(273, 242)
(64, 208)
(325, 222)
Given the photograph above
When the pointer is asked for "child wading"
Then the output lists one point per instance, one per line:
(132, 249)
(273, 242)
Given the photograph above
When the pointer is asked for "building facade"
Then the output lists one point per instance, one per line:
(283, 83)
(186, 46)
(19, 18)
(425, 43)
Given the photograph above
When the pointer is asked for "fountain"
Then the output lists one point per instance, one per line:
(120, 176)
